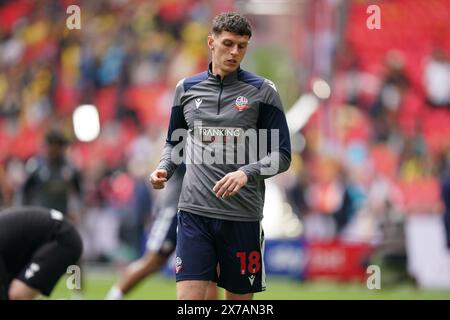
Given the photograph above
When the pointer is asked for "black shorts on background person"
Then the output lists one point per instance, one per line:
(37, 245)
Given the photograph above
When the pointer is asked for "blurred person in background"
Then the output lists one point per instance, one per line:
(324, 198)
(161, 243)
(385, 205)
(352, 85)
(52, 181)
(352, 200)
(12, 174)
(37, 245)
(386, 109)
(296, 194)
(391, 253)
(221, 205)
(100, 227)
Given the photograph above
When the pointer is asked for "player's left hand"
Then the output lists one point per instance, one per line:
(230, 184)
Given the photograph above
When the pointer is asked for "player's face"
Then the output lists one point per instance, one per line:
(227, 50)
(55, 152)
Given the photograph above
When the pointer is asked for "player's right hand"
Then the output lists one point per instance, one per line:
(158, 178)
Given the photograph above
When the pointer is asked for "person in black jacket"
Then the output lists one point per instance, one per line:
(52, 181)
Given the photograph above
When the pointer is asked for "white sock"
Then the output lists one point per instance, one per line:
(114, 294)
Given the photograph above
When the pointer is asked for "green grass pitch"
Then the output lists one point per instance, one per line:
(96, 284)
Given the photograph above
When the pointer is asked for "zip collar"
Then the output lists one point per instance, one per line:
(229, 78)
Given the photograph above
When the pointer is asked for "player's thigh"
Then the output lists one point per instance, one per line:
(240, 256)
(236, 296)
(192, 289)
(196, 257)
(212, 292)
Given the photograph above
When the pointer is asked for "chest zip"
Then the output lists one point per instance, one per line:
(220, 95)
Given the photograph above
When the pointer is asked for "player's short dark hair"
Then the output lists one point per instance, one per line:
(232, 22)
(56, 137)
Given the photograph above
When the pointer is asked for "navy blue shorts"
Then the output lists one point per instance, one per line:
(229, 252)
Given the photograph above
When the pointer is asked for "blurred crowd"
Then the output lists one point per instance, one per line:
(125, 60)
(376, 151)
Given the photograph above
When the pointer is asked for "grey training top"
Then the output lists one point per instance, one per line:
(226, 125)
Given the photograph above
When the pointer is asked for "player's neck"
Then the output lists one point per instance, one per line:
(219, 72)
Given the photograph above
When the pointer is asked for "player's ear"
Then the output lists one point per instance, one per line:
(211, 42)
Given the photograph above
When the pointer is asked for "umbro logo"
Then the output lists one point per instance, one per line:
(198, 102)
(251, 279)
